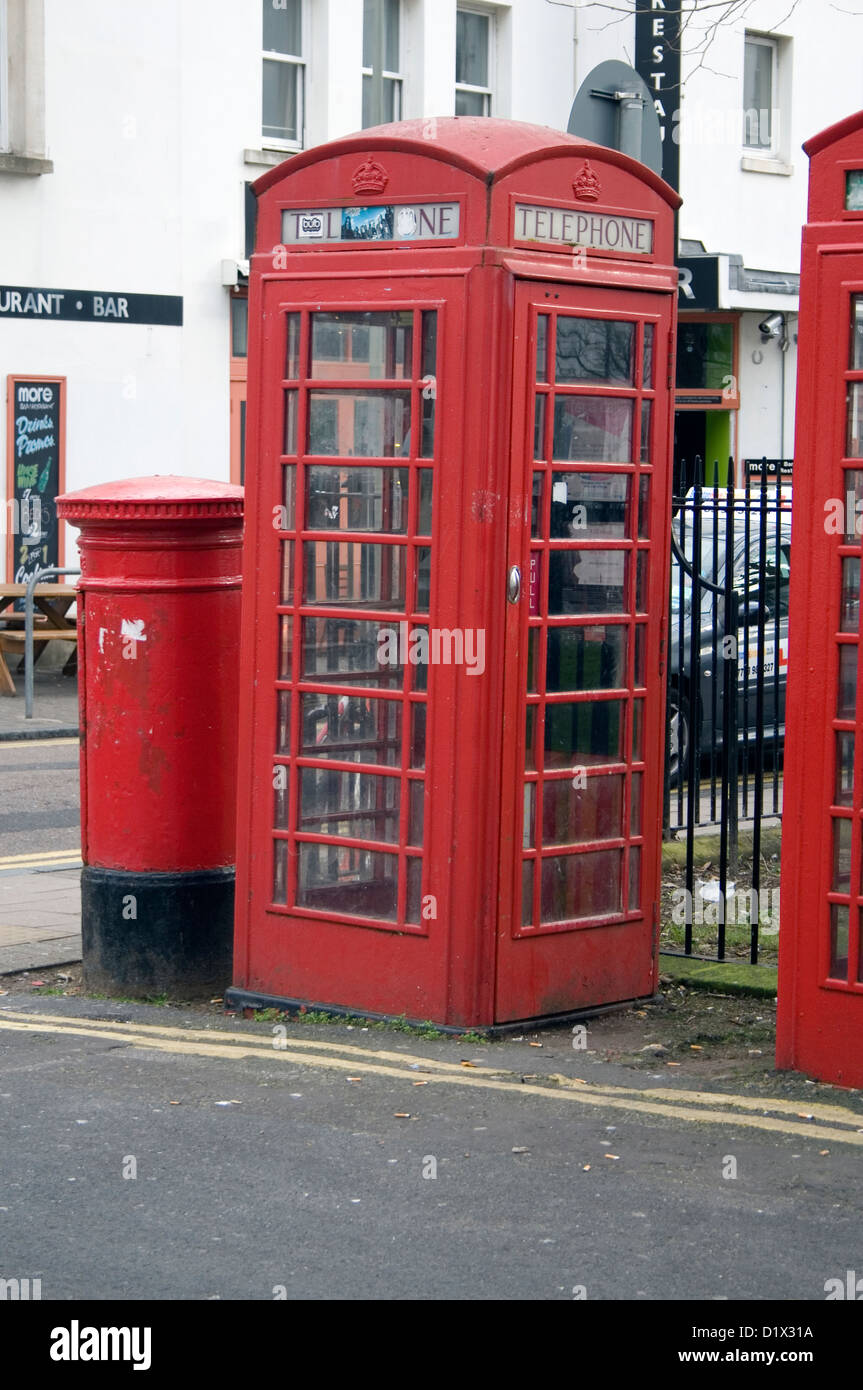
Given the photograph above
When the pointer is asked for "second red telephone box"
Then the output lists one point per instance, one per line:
(820, 1014)
(456, 569)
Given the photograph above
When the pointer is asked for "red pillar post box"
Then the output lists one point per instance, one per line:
(460, 359)
(159, 614)
(820, 1014)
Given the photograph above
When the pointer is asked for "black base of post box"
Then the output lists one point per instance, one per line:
(148, 934)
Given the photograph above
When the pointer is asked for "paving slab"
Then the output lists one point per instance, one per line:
(55, 707)
(40, 919)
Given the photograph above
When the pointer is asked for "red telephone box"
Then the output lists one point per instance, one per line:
(820, 1022)
(461, 337)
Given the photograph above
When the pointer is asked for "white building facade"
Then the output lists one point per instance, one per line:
(129, 136)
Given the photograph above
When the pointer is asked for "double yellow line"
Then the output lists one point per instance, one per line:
(47, 859)
(821, 1124)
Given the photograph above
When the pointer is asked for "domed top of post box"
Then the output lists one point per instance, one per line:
(164, 496)
(485, 146)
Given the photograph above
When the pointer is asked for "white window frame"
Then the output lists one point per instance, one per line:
(770, 151)
(298, 60)
(488, 92)
(4, 79)
(396, 77)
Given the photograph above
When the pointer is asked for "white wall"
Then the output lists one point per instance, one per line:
(757, 214)
(760, 432)
(149, 109)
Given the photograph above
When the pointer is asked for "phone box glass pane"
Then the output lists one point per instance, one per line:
(351, 729)
(599, 351)
(584, 732)
(362, 346)
(846, 703)
(856, 354)
(587, 581)
(586, 658)
(647, 361)
(575, 814)
(360, 424)
(841, 855)
(844, 793)
(581, 885)
(590, 506)
(283, 721)
(849, 608)
(593, 429)
(854, 190)
(854, 446)
(357, 499)
(354, 882)
(357, 805)
(356, 573)
(352, 651)
(838, 941)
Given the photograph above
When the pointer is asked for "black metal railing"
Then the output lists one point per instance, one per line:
(728, 653)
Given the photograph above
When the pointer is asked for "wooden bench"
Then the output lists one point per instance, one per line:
(51, 624)
(13, 639)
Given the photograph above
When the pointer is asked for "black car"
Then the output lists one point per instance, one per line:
(761, 581)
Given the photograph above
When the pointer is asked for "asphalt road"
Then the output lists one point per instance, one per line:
(276, 1170)
(39, 796)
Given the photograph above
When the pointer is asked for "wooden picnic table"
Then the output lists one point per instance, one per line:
(53, 602)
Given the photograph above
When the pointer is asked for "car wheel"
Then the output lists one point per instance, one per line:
(678, 736)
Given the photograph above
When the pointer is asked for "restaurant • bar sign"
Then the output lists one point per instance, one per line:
(89, 306)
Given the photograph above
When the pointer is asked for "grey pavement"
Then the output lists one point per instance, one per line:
(191, 1158)
(40, 901)
(40, 919)
(55, 705)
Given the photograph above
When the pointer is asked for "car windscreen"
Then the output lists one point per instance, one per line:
(714, 534)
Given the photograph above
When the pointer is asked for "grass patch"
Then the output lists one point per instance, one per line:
(721, 977)
(706, 847)
(323, 1017)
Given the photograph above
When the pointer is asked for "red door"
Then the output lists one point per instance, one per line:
(821, 948)
(354, 563)
(584, 679)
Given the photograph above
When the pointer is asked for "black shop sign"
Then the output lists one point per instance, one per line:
(657, 60)
(35, 464)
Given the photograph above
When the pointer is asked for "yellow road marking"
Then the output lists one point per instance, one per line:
(39, 865)
(42, 857)
(827, 1113)
(40, 742)
(215, 1043)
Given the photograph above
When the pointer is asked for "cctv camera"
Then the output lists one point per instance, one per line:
(772, 326)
